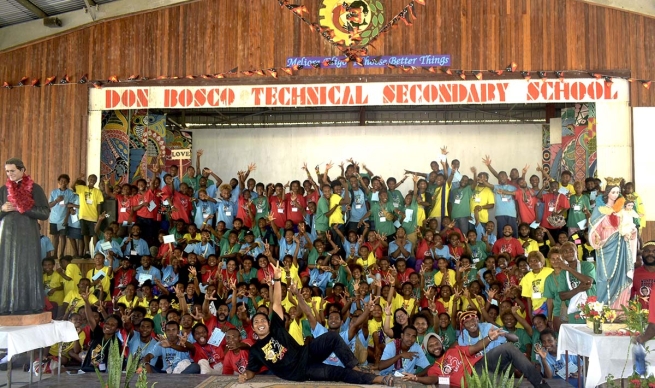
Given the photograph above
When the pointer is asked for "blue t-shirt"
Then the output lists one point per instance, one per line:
(156, 274)
(465, 338)
(176, 181)
(169, 356)
(203, 250)
(332, 358)
(286, 248)
(225, 211)
(46, 246)
(140, 247)
(358, 207)
(393, 247)
(558, 366)
(75, 200)
(505, 205)
(203, 210)
(115, 247)
(60, 210)
(408, 366)
(135, 344)
(169, 278)
(318, 279)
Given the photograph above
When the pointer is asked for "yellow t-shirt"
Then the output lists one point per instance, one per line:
(286, 303)
(481, 197)
(75, 301)
(499, 322)
(337, 215)
(420, 214)
(89, 201)
(293, 273)
(67, 346)
(452, 277)
(533, 247)
(53, 281)
(105, 282)
(373, 327)
(437, 210)
(466, 304)
(447, 305)
(134, 303)
(400, 302)
(73, 272)
(532, 286)
(190, 238)
(295, 330)
(370, 260)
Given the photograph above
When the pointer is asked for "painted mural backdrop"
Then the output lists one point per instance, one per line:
(577, 151)
(133, 142)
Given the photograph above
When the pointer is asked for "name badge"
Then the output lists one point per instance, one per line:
(133, 252)
(457, 202)
(123, 210)
(444, 381)
(280, 210)
(576, 207)
(260, 210)
(395, 205)
(102, 367)
(478, 199)
(476, 260)
(358, 206)
(62, 203)
(89, 201)
(383, 219)
(536, 295)
(294, 209)
(551, 208)
(505, 199)
(228, 213)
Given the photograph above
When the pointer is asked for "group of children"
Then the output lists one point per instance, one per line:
(356, 257)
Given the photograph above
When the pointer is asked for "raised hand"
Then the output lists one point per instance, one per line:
(329, 166)
(199, 152)
(304, 167)
(444, 150)
(210, 295)
(525, 169)
(415, 178)
(252, 167)
(271, 217)
(486, 160)
(163, 341)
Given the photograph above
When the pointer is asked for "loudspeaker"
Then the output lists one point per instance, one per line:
(52, 22)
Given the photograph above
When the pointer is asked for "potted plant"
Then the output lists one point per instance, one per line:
(491, 380)
(115, 369)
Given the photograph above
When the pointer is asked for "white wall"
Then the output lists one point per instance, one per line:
(280, 152)
(643, 119)
(614, 140)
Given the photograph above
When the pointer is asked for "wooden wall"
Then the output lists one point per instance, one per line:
(47, 126)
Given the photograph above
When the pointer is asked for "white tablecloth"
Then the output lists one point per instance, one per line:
(607, 354)
(20, 339)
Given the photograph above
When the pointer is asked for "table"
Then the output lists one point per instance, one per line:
(607, 354)
(21, 339)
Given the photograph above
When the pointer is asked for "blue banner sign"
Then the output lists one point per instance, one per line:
(336, 62)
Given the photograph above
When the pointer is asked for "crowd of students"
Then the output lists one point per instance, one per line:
(417, 286)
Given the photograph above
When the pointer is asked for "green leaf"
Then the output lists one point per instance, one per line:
(376, 31)
(375, 20)
(381, 18)
(379, 5)
(364, 42)
(371, 7)
(366, 33)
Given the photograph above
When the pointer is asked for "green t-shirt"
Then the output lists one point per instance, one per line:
(478, 253)
(524, 339)
(409, 220)
(471, 276)
(321, 220)
(550, 291)
(396, 199)
(576, 212)
(449, 336)
(226, 249)
(313, 256)
(462, 202)
(262, 208)
(587, 269)
(191, 182)
(383, 225)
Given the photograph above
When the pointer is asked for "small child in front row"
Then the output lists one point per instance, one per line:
(551, 366)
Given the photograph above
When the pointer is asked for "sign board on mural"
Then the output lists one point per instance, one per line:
(180, 154)
(368, 61)
(358, 94)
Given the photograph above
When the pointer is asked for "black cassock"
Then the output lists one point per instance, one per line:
(21, 274)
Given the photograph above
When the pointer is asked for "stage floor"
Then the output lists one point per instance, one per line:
(202, 381)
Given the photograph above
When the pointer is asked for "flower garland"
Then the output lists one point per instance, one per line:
(20, 194)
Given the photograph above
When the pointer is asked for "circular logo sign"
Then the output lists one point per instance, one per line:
(349, 17)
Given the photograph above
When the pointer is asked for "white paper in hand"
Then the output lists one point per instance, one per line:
(563, 190)
(98, 275)
(582, 224)
(143, 277)
(74, 218)
(216, 337)
(534, 225)
(169, 239)
(151, 206)
(106, 246)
